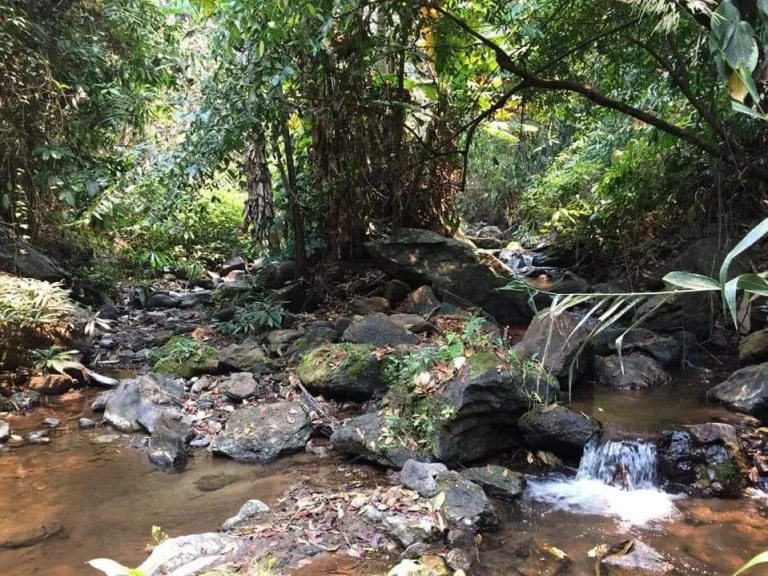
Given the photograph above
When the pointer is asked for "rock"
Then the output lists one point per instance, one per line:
(420, 476)
(570, 283)
(245, 357)
(201, 385)
(489, 231)
(372, 305)
(51, 422)
(159, 300)
(298, 297)
(379, 331)
(24, 400)
(138, 299)
(640, 372)
(555, 343)
(745, 390)
(108, 312)
(559, 429)
(703, 460)
(420, 257)
(411, 322)
(497, 481)
(486, 243)
(395, 292)
(640, 560)
(406, 530)
(86, 423)
(414, 551)
(540, 559)
(100, 402)
(344, 371)
(195, 299)
(38, 437)
(206, 551)
(263, 433)
(18, 257)
(104, 438)
(361, 436)
(457, 560)
(167, 445)
(26, 537)
(316, 336)
(246, 512)
(200, 442)
(463, 503)
(280, 340)
(214, 482)
(486, 398)
(459, 538)
(136, 402)
(107, 343)
(666, 351)
(230, 264)
(422, 302)
(239, 386)
(753, 349)
(5, 431)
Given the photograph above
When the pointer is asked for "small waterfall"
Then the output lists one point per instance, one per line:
(626, 464)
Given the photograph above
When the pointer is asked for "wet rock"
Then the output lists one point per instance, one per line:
(24, 400)
(540, 559)
(361, 436)
(411, 322)
(201, 442)
(753, 349)
(486, 398)
(159, 300)
(463, 503)
(745, 390)
(640, 372)
(100, 402)
(372, 305)
(104, 438)
(5, 431)
(214, 482)
(263, 433)
(570, 283)
(406, 530)
(246, 512)
(167, 445)
(497, 481)
(239, 386)
(422, 302)
(396, 291)
(280, 340)
(51, 422)
(38, 437)
(420, 476)
(378, 330)
(141, 399)
(230, 264)
(555, 343)
(344, 371)
(315, 336)
(205, 550)
(666, 351)
(245, 357)
(26, 537)
(639, 560)
(420, 257)
(457, 559)
(559, 429)
(86, 423)
(703, 460)
(459, 538)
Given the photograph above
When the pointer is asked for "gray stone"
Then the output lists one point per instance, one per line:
(342, 371)
(201, 442)
(396, 291)
(5, 431)
(86, 423)
(232, 263)
(372, 305)
(497, 481)
(107, 343)
(245, 357)
(411, 322)
(38, 437)
(160, 300)
(196, 554)
(560, 430)
(19, 257)
(100, 402)
(315, 336)
(666, 351)
(570, 283)
(135, 403)
(640, 560)
(281, 340)
(420, 476)
(422, 302)
(104, 438)
(457, 559)
(406, 530)
(167, 448)
(634, 371)
(463, 503)
(459, 538)
(246, 512)
(263, 433)
(24, 400)
(51, 422)
(745, 390)
(378, 330)
(753, 349)
(239, 386)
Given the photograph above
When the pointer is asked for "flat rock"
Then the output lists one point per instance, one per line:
(205, 550)
(745, 390)
(25, 537)
(665, 350)
(160, 300)
(104, 438)
(263, 433)
(406, 530)
(497, 481)
(214, 482)
(753, 349)
(559, 429)
(640, 372)
(411, 322)
(100, 402)
(641, 560)
(86, 423)
(378, 330)
(5, 431)
(281, 340)
(420, 476)
(464, 503)
(52, 384)
(239, 386)
(245, 357)
(246, 512)
(51, 422)
(372, 305)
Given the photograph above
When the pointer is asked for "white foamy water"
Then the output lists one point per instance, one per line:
(615, 479)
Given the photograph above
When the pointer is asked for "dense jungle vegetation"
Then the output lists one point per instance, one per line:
(132, 132)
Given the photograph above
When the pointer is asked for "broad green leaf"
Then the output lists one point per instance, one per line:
(746, 78)
(736, 87)
(729, 294)
(753, 283)
(741, 108)
(742, 50)
(690, 281)
(725, 20)
(759, 559)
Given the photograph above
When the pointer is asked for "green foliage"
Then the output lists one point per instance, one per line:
(29, 303)
(759, 559)
(253, 318)
(55, 360)
(185, 357)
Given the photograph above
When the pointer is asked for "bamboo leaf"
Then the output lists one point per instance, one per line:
(759, 559)
(754, 235)
(690, 281)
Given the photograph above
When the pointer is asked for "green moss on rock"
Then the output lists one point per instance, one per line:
(185, 357)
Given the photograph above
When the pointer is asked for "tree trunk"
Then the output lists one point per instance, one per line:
(291, 190)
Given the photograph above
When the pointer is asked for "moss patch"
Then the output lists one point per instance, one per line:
(481, 363)
(320, 364)
(185, 357)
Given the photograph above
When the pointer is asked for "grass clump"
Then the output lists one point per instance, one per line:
(184, 357)
(25, 302)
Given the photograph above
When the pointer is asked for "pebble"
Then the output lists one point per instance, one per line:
(201, 442)
(107, 343)
(104, 438)
(86, 423)
(51, 422)
(38, 437)
(5, 431)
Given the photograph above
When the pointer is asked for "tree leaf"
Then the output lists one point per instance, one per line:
(751, 238)
(690, 281)
(724, 22)
(741, 50)
(736, 88)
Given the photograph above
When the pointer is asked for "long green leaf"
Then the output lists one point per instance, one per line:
(759, 559)
(690, 281)
(751, 238)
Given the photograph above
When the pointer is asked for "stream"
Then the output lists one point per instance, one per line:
(107, 497)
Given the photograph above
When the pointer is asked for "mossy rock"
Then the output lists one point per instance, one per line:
(185, 357)
(344, 371)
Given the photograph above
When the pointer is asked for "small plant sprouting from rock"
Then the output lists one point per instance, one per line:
(253, 318)
(56, 360)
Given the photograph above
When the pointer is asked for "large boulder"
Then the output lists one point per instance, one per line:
(631, 372)
(168, 443)
(666, 351)
(316, 336)
(703, 460)
(136, 403)
(420, 257)
(497, 481)
(263, 433)
(486, 398)
(560, 430)
(347, 371)
(745, 390)
(754, 348)
(557, 342)
(18, 257)
(378, 330)
(363, 436)
(463, 503)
